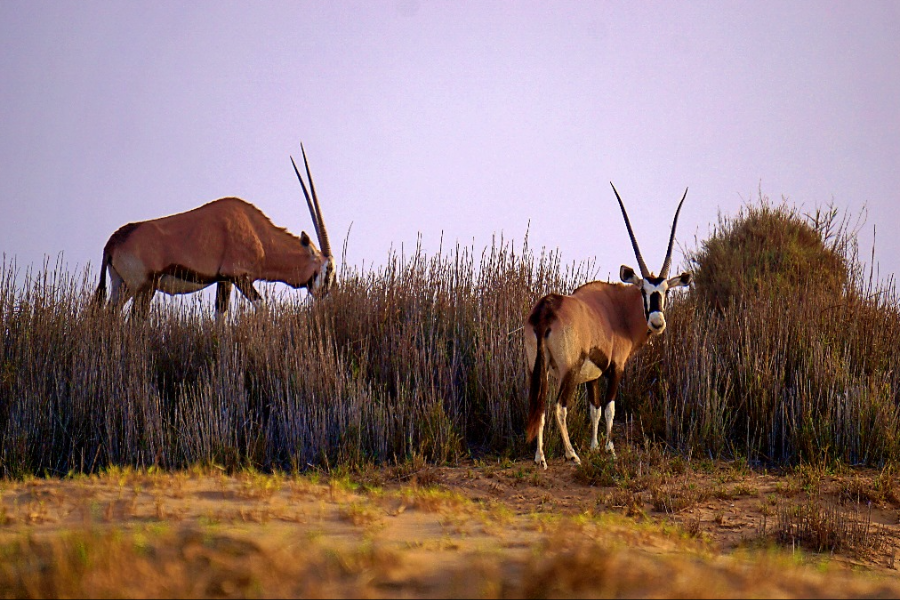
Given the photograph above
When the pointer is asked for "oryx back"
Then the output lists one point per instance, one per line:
(187, 251)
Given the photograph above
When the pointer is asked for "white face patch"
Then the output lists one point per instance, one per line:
(325, 277)
(654, 295)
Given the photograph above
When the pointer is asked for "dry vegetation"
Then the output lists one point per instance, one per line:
(766, 417)
(494, 529)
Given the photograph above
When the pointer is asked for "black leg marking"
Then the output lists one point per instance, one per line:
(593, 392)
(613, 377)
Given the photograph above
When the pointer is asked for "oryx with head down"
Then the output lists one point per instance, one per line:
(592, 333)
(228, 241)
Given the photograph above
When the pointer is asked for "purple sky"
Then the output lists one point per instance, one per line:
(461, 119)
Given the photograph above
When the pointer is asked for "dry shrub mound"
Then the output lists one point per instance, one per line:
(771, 251)
(784, 350)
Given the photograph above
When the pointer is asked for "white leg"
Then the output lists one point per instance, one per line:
(595, 425)
(561, 414)
(609, 413)
(539, 454)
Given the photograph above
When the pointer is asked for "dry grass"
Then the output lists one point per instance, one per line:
(419, 364)
(252, 535)
(424, 357)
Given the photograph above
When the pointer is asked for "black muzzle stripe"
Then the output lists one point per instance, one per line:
(655, 303)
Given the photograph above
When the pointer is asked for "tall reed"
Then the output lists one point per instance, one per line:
(420, 356)
(424, 356)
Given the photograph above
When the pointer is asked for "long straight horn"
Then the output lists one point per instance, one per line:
(323, 233)
(664, 272)
(312, 210)
(637, 252)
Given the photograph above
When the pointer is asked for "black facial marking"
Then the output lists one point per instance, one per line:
(655, 303)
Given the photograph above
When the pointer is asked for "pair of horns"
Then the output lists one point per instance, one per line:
(645, 272)
(314, 210)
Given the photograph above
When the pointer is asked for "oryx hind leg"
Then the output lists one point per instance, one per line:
(530, 354)
(539, 457)
(566, 392)
(119, 293)
(140, 305)
(593, 393)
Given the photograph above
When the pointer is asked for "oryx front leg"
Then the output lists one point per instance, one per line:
(609, 411)
(223, 295)
(566, 391)
(247, 288)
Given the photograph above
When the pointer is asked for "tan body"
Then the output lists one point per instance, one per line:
(227, 242)
(592, 333)
(584, 336)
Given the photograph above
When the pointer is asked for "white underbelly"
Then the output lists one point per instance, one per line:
(173, 285)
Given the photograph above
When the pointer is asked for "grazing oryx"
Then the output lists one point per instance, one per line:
(227, 242)
(591, 333)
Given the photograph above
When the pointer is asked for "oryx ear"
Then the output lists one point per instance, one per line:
(680, 281)
(304, 239)
(628, 275)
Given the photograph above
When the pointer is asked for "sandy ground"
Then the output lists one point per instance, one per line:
(479, 529)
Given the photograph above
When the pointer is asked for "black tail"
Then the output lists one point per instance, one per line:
(537, 394)
(100, 294)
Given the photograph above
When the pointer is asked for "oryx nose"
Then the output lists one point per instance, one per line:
(657, 322)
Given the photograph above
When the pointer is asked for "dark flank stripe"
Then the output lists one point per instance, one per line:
(189, 275)
(599, 358)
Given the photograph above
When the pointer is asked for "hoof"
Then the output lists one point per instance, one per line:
(542, 463)
(574, 458)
